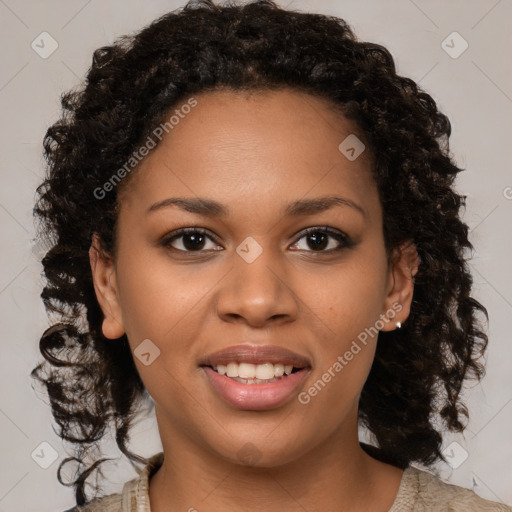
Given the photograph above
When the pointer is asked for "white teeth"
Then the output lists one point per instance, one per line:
(232, 370)
(246, 371)
(278, 370)
(265, 371)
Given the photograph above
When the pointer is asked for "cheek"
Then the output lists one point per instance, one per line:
(343, 356)
(166, 306)
(350, 297)
(160, 316)
(155, 298)
(349, 306)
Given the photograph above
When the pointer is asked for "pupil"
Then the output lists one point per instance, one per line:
(316, 236)
(196, 243)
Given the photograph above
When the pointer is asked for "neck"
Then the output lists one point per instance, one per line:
(335, 475)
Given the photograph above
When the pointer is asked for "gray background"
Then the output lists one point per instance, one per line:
(474, 90)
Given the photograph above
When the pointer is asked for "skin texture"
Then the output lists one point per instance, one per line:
(255, 153)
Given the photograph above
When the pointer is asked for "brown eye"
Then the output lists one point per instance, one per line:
(319, 239)
(189, 240)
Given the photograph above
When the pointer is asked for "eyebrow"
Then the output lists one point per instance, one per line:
(210, 208)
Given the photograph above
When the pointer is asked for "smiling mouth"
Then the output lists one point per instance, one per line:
(248, 373)
(255, 377)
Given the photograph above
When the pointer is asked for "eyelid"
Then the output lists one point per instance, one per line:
(324, 229)
(340, 236)
(178, 233)
(344, 240)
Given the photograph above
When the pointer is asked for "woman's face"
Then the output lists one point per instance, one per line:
(252, 276)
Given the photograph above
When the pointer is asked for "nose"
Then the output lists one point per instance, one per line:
(258, 292)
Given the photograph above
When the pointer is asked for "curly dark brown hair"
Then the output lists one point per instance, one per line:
(418, 371)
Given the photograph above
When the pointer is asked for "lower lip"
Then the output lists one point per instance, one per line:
(255, 397)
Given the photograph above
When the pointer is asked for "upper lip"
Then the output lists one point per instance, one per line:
(255, 354)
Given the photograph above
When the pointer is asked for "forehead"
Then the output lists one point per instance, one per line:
(256, 148)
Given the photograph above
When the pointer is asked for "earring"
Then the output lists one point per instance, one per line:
(398, 325)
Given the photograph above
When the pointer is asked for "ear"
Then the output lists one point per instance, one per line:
(105, 286)
(403, 266)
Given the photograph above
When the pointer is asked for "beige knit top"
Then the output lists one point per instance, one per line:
(419, 491)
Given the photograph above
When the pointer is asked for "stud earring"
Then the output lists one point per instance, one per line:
(398, 325)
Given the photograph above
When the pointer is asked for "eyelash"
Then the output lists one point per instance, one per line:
(339, 236)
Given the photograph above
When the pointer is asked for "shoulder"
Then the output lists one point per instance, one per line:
(133, 497)
(110, 503)
(423, 491)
